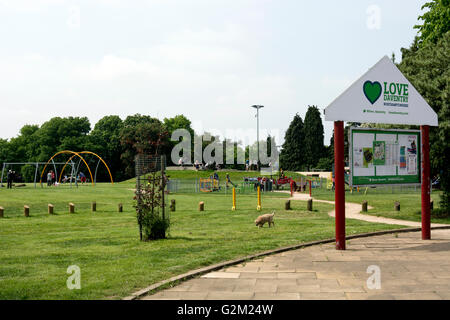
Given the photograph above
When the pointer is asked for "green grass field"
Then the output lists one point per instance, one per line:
(383, 201)
(36, 251)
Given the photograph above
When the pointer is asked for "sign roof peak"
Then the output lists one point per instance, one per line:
(382, 95)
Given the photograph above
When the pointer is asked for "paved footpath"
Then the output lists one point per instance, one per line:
(410, 268)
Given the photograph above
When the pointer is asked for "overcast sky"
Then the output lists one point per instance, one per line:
(207, 59)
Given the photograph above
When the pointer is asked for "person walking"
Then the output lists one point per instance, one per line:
(9, 179)
(49, 178)
(229, 181)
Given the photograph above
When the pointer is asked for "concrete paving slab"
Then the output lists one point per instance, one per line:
(409, 269)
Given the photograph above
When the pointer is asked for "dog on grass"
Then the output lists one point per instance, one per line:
(261, 220)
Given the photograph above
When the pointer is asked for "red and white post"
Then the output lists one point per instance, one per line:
(339, 193)
(426, 232)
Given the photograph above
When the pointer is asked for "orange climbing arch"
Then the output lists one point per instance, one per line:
(86, 152)
(70, 152)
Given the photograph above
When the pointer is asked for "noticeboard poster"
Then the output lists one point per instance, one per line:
(382, 156)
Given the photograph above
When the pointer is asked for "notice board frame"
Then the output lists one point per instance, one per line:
(375, 131)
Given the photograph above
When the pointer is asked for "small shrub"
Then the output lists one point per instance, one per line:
(150, 208)
(440, 213)
(154, 226)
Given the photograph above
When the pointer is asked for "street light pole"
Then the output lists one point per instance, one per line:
(257, 107)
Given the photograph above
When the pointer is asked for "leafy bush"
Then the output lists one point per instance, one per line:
(440, 213)
(153, 224)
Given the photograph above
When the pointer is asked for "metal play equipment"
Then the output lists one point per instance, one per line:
(233, 208)
(96, 168)
(36, 164)
(74, 170)
(209, 184)
(258, 207)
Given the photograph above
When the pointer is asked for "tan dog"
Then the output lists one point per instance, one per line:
(261, 220)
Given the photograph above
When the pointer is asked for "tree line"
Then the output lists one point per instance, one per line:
(303, 148)
(117, 141)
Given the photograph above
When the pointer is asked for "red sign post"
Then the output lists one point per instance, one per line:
(339, 193)
(426, 233)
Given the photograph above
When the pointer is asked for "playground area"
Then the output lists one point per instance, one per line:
(70, 171)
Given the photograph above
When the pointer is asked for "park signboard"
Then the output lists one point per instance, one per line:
(382, 156)
(382, 95)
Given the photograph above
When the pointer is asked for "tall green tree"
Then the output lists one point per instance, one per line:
(178, 122)
(436, 21)
(141, 134)
(23, 148)
(292, 155)
(427, 67)
(58, 134)
(105, 140)
(313, 137)
(4, 150)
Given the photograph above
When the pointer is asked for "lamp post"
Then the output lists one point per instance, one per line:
(257, 107)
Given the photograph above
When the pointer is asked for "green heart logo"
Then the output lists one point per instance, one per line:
(372, 91)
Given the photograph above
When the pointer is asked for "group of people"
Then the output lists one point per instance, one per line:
(52, 181)
(10, 177)
(263, 183)
(251, 165)
(204, 166)
(50, 178)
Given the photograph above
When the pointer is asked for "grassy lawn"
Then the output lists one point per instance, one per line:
(383, 201)
(36, 251)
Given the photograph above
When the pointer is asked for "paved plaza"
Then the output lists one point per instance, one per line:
(409, 268)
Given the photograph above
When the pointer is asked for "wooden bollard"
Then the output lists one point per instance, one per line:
(2, 210)
(397, 206)
(94, 206)
(201, 206)
(431, 205)
(26, 211)
(364, 206)
(50, 208)
(172, 205)
(309, 204)
(71, 208)
(287, 205)
(120, 207)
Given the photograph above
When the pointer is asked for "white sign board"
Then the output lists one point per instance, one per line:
(382, 95)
